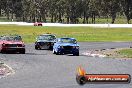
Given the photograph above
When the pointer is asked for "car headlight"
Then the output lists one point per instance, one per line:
(74, 47)
(3, 44)
(23, 45)
(77, 47)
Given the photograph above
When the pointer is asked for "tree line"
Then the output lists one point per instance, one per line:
(69, 11)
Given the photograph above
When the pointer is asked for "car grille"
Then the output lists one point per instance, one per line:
(13, 45)
(68, 47)
(44, 43)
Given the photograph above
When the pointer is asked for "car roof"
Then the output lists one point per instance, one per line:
(10, 36)
(66, 38)
(46, 34)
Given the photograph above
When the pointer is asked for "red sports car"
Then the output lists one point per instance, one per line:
(12, 44)
(38, 24)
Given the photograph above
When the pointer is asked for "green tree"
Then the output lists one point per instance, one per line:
(127, 9)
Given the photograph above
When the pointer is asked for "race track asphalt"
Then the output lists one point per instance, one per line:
(42, 69)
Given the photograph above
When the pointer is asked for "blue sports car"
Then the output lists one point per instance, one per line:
(66, 46)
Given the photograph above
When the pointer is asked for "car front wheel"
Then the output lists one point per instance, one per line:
(76, 54)
(36, 47)
(57, 53)
(3, 52)
(22, 52)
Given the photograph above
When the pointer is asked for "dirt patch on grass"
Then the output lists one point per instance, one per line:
(112, 53)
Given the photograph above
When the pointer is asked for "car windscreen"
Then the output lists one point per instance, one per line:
(67, 40)
(12, 38)
(46, 37)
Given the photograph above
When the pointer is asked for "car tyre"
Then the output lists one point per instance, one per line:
(76, 54)
(22, 52)
(3, 52)
(57, 53)
(39, 24)
(36, 47)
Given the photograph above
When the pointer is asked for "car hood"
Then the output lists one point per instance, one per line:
(68, 44)
(45, 41)
(13, 42)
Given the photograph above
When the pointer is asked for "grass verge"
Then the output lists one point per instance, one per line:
(126, 53)
(83, 34)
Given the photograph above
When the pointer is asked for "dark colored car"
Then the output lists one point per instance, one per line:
(12, 44)
(45, 41)
(66, 46)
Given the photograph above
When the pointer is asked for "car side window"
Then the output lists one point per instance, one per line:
(18, 38)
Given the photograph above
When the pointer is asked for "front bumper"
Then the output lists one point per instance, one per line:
(72, 51)
(44, 45)
(13, 49)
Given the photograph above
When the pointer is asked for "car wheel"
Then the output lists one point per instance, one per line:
(76, 54)
(39, 24)
(22, 52)
(61, 53)
(3, 52)
(57, 53)
(36, 47)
